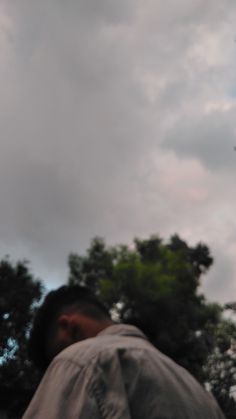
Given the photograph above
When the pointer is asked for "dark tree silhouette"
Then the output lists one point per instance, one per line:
(19, 293)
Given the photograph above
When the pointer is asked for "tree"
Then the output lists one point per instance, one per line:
(19, 294)
(88, 270)
(220, 368)
(154, 285)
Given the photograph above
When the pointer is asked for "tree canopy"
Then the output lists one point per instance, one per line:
(155, 286)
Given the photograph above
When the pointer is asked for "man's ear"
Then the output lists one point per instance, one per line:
(69, 325)
(64, 322)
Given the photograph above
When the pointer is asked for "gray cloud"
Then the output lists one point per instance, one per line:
(116, 119)
(219, 280)
(209, 137)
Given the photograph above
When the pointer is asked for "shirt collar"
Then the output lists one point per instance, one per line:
(122, 330)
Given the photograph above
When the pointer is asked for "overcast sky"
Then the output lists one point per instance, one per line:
(117, 119)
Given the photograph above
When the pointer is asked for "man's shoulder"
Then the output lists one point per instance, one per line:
(109, 341)
(123, 351)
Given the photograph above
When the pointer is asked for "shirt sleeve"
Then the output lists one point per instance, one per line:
(64, 393)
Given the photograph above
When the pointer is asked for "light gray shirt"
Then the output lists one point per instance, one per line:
(119, 375)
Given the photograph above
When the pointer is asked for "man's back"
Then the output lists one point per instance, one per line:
(119, 374)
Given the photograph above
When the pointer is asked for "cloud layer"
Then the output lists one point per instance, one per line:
(117, 119)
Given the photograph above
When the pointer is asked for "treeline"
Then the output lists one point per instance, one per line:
(154, 285)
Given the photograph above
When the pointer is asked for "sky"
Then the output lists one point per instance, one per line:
(117, 120)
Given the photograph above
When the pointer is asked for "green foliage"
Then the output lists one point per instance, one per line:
(19, 293)
(199, 256)
(89, 269)
(154, 286)
(220, 368)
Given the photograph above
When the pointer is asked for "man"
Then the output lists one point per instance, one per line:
(101, 370)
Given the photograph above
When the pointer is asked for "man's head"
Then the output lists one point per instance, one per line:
(67, 315)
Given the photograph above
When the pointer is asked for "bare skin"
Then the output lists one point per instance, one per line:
(72, 327)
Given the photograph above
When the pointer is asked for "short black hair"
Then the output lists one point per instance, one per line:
(54, 303)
